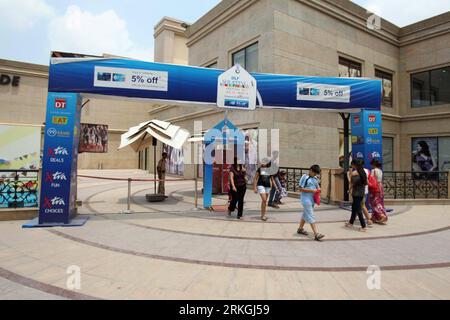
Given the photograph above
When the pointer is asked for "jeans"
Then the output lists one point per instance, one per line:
(357, 211)
(237, 198)
(274, 191)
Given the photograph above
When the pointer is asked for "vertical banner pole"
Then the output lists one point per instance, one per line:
(60, 158)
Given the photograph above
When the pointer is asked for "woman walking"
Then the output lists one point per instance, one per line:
(358, 184)
(238, 187)
(262, 184)
(377, 195)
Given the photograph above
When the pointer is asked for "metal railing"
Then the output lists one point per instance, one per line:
(415, 185)
(293, 176)
(19, 188)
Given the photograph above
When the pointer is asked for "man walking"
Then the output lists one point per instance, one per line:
(161, 168)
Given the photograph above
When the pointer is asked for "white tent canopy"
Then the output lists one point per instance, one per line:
(141, 136)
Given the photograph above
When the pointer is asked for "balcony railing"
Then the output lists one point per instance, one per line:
(19, 188)
(293, 176)
(415, 185)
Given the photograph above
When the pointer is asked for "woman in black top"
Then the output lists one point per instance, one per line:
(359, 182)
(238, 187)
(263, 184)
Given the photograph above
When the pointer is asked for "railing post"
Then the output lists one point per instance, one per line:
(448, 184)
(128, 211)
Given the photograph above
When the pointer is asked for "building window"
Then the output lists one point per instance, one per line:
(247, 58)
(430, 88)
(388, 154)
(430, 154)
(386, 78)
(349, 68)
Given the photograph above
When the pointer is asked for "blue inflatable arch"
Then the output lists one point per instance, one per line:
(70, 79)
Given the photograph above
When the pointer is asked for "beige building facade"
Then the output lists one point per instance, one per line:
(300, 37)
(325, 38)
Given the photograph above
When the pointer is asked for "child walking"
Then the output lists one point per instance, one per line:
(309, 185)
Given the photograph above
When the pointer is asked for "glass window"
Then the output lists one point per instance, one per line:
(386, 78)
(247, 58)
(430, 88)
(388, 154)
(349, 68)
(440, 86)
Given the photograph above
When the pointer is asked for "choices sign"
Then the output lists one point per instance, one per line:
(236, 89)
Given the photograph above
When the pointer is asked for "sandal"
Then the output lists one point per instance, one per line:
(264, 219)
(302, 232)
(319, 237)
(348, 225)
(363, 229)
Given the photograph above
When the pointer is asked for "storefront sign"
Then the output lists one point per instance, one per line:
(236, 89)
(7, 80)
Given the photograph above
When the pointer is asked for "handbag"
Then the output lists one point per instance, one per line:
(373, 184)
(317, 198)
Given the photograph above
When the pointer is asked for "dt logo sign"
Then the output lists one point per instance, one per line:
(60, 103)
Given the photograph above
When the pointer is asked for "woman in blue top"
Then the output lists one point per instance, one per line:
(309, 185)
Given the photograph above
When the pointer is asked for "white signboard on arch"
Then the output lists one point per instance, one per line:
(236, 89)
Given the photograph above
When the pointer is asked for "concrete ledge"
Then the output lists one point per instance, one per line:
(18, 214)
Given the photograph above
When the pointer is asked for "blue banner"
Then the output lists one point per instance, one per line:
(59, 167)
(147, 80)
(367, 136)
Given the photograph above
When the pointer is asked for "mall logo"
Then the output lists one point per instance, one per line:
(54, 205)
(60, 103)
(357, 120)
(52, 132)
(57, 155)
(372, 118)
(55, 179)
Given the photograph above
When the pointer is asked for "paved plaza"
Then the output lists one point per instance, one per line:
(171, 251)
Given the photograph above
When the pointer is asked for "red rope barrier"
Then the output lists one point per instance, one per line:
(136, 180)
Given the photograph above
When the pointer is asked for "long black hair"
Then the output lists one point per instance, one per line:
(361, 172)
(425, 148)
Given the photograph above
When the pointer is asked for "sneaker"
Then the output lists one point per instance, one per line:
(302, 232)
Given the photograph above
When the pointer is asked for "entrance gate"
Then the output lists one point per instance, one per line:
(70, 79)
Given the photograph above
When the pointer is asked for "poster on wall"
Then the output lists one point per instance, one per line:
(93, 138)
(425, 155)
(20, 147)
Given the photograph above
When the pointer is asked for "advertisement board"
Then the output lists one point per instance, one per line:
(93, 138)
(59, 177)
(236, 90)
(20, 147)
(367, 136)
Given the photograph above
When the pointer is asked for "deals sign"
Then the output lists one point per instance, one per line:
(367, 136)
(236, 89)
(59, 163)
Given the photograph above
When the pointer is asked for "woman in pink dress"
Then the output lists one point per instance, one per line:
(376, 198)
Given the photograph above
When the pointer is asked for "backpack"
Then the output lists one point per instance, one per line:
(373, 184)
